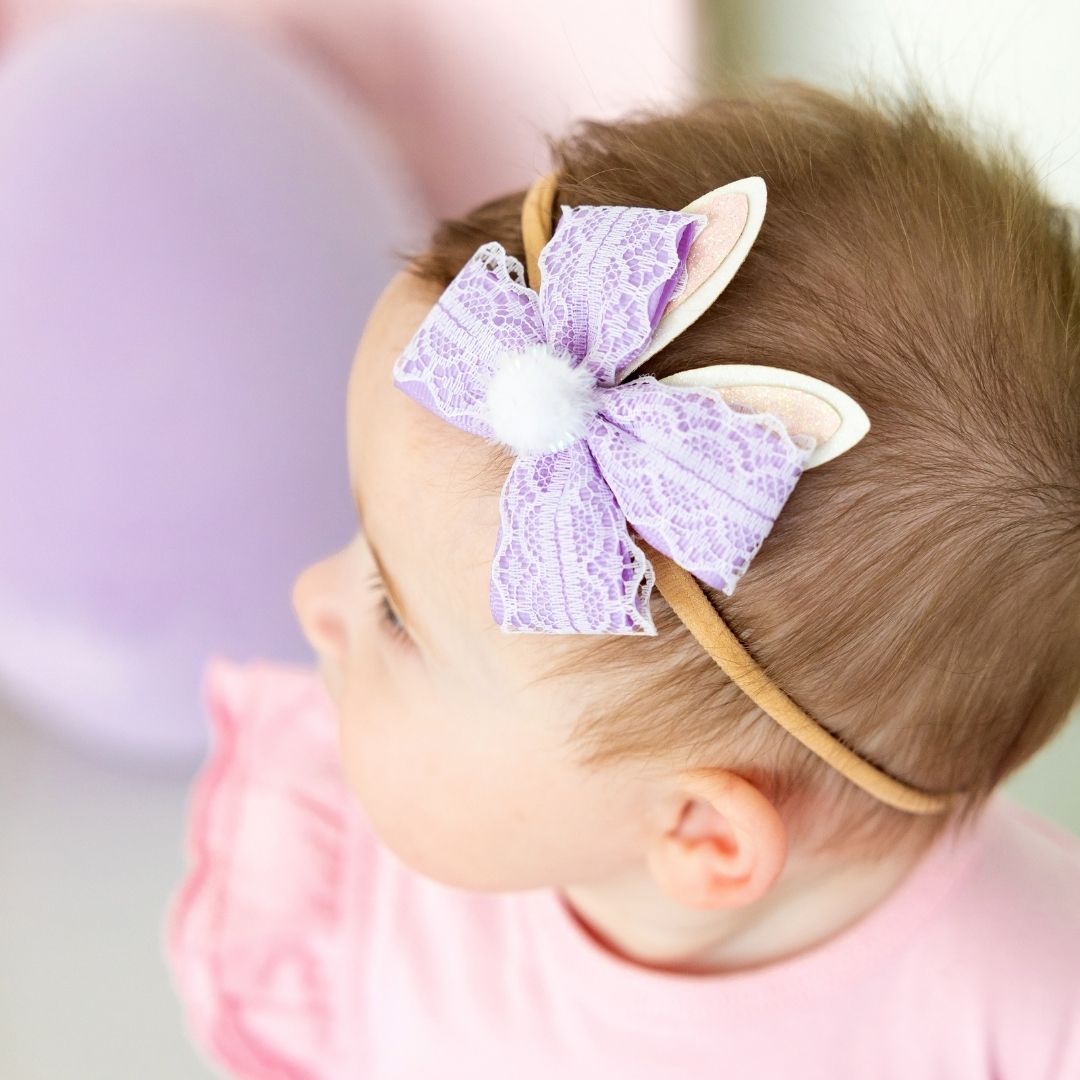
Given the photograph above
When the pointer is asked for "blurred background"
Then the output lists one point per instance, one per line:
(194, 193)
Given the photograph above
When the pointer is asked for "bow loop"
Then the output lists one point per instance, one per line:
(485, 312)
(607, 276)
(698, 479)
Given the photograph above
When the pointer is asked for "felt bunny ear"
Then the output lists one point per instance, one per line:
(734, 212)
(803, 404)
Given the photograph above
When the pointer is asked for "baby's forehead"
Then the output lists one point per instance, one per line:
(429, 490)
(434, 461)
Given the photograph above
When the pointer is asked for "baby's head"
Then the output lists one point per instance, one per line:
(917, 596)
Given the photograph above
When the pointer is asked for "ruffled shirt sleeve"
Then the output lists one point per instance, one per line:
(257, 933)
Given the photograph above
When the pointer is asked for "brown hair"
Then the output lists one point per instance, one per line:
(919, 595)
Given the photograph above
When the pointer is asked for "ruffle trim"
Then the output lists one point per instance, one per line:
(255, 932)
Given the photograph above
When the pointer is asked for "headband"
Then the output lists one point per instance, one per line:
(698, 464)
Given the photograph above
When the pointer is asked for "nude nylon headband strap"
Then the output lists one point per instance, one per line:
(686, 598)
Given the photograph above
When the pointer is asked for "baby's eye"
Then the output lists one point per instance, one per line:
(388, 618)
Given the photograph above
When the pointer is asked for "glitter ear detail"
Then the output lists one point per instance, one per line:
(804, 406)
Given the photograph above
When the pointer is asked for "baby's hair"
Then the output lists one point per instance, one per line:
(919, 595)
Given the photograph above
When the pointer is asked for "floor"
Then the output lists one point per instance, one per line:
(89, 854)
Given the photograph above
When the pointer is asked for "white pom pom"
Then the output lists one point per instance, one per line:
(537, 403)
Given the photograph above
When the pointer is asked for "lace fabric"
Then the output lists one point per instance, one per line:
(701, 481)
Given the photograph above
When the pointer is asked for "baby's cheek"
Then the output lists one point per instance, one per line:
(353, 761)
(369, 755)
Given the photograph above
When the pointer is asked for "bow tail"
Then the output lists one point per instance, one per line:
(565, 562)
(698, 480)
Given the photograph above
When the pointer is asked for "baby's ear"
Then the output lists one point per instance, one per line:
(807, 407)
(733, 216)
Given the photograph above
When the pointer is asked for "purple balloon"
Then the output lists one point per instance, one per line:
(194, 232)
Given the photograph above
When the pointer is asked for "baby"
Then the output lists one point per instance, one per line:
(582, 845)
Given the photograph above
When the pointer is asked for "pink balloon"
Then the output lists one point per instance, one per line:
(490, 76)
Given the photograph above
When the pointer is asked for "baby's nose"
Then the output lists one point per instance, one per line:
(317, 600)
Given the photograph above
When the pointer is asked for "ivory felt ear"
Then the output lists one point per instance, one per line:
(806, 406)
(732, 217)
(803, 404)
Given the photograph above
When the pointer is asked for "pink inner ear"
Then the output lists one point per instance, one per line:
(800, 412)
(727, 214)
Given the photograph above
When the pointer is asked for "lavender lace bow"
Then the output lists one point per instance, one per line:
(698, 479)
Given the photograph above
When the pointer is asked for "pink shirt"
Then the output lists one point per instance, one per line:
(302, 948)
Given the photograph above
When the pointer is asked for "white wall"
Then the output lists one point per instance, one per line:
(1011, 62)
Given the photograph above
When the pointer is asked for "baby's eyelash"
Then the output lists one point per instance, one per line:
(387, 616)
